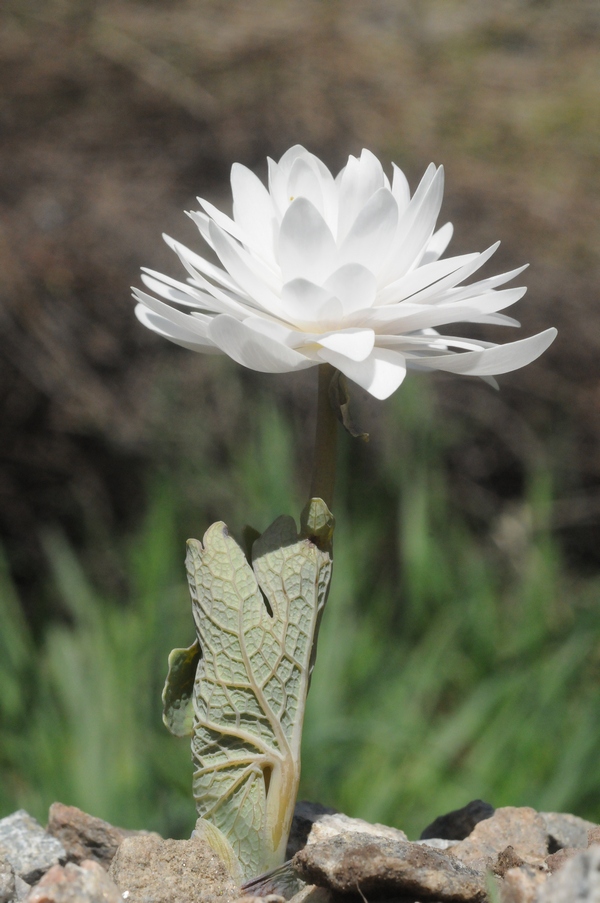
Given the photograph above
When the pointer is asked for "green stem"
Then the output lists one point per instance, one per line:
(323, 476)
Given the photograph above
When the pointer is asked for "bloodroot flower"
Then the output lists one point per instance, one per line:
(345, 271)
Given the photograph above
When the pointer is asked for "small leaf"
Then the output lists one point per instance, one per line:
(339, 397)
(178, 712)
(256, 626)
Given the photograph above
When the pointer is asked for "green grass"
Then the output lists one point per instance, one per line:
(445, 671)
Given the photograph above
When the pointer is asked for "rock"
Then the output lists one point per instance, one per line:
(85, 883)
(7, 881)
(84, 836)
(22, 889)
(270, 898)
(521, 828)
(594, 835)
(566, 830)
(25, 844)
(330, 825)
(367, 865)
(578, 880)
(556, 860)
(459, 823)
(507, 860)
(521, 885)
(438, 843)
(312, 894)
(305, 815)
(148, 868)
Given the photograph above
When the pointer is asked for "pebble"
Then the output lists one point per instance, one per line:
(72, 883)
(28, 848)
(85, 836)
(7, 881)
(578, 880)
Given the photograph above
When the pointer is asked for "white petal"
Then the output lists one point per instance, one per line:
(253, 211)
(369, 239)
(438, 243)
(304, 182)
(195, 325)
(357, 344)
(360, 180)
(306, 247)
(492, 361)
(175, 333)
(176, 292)
(380, 374)
(423, 276)
(462, 292)
(303, 301)
(242, 267)
(354, 285)
(400, 188)
(415, 228)
(253, 349)
(439, 290)
(199, 263)
(222, 220)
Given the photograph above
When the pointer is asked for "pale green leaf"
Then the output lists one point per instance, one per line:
(256, 627)
(178, 711)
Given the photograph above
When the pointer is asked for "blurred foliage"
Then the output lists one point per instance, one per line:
(451, 666)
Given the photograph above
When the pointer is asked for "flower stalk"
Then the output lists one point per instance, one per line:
(323, 475)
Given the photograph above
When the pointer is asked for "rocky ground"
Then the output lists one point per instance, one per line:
(473, 855)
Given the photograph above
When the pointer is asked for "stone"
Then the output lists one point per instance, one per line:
(521, 884)
(85, 883)
(566, 830)
(521, 828)
(594, 835)
(507, 860)
(312, 894)
(555, 861)
(459, 823)
(147, 868)
(7, 881)
(578, 880)
(329, 825)
(25, 844)
(438, 843)
(22, 889)
(85, 836)
(305, 815)
(368, 865)
(270, 898)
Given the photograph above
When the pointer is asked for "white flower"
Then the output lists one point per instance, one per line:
(345, 271)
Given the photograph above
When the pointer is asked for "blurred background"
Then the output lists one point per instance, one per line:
(459, 655)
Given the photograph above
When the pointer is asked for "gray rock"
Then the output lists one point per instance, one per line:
(459, 823)
(566, 830)
(330, 825)
(7, 881)
(367, 865)
(148, 868)
(312, 894)
(522, 885)
(305, 815)
(22, 889)
(438, 843)
(25, 844)
(521, 828)
(85, 883)
(578, 880)
(85, 836)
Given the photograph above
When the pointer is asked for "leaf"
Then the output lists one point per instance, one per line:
(178, 711)
(339, 398)
(256, 627)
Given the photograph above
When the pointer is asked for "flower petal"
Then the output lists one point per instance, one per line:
(368, 240)
(253, 211)
(438, 243)
(400, 188)
(241, 266)
(175, 333)
(380, 374)
(357, 344)
(422, 277)
(303, 301)
(360, 179)
(492, 361)
(253, 349)
(354, 285)
(306, 248)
